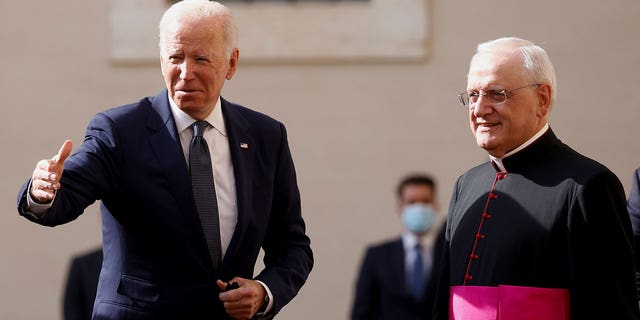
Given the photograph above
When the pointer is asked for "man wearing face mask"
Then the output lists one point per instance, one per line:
(380, 292)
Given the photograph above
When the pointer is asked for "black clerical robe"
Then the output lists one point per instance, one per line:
(554, 219)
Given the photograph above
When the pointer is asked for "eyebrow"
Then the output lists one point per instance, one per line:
(487, 90)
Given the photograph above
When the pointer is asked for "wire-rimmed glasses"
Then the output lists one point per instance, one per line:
(494, 96)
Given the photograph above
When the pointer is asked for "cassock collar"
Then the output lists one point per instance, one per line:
(498, 163)
(534, 154)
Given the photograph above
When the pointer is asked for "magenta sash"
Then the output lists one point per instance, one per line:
(508, 303)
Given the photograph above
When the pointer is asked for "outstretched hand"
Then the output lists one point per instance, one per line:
(46, 176)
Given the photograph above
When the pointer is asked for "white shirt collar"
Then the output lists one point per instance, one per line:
(498, 161)
(184, 121)
(409, 241)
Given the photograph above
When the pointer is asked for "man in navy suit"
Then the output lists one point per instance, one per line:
(395, 282)
(135, 159)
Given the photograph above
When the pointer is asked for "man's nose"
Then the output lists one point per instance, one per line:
(482, 106)
(186, 71)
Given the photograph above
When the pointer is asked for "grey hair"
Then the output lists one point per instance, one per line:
(535, 60)
(201, 9)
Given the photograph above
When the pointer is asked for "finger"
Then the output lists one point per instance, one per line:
(44, 166)
(42, 196)
(48, 185)
(229, 296)
(45, 175)
(42, 188)
(221, 285)
(63, 153)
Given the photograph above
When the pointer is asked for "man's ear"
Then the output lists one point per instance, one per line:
(233, 63)
(544, 99)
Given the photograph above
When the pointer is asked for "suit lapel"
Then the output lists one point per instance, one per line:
(398, 269)
(165, 141)
(241, 147)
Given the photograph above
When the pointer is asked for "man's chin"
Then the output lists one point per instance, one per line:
(187, 102)
(486, 143)
(186, 107)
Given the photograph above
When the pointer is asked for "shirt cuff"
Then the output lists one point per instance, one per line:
(270, 295)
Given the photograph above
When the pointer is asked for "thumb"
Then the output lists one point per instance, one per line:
(63, 153)
(221, 285)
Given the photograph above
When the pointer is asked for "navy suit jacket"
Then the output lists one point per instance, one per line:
(381, 291)
(156, 264)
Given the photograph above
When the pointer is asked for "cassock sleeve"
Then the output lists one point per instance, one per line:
(600, 252)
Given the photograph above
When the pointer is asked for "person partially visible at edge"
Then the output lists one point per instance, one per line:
(633, 205)
(81, 285)
(160, 261)
(539, 231)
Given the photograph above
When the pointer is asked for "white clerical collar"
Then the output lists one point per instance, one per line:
(498, 161)
(184, 121)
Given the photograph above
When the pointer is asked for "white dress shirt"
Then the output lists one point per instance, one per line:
(409, 241)
(224, 180)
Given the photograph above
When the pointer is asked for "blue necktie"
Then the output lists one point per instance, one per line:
(204, 191)
(417, 274)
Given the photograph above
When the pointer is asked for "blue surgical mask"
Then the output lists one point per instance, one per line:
(418, 217)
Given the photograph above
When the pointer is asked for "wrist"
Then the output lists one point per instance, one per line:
(265, 301)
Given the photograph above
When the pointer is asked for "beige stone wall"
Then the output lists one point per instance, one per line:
(354, 128)
(282, 31)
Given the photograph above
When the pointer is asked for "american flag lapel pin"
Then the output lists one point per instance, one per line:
(244, 145)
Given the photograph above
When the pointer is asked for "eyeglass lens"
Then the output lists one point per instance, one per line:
(492, 95)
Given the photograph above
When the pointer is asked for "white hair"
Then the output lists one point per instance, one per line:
(201, 9)
(535, 60)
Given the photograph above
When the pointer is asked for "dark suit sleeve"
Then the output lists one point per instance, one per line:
(634, 213)
(601, 258)
(288, 258)
(367, 288)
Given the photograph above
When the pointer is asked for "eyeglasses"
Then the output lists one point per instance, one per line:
(494, 96)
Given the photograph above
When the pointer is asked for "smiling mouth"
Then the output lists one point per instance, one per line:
(486, 126)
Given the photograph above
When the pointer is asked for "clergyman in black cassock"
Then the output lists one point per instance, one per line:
(540, 230)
